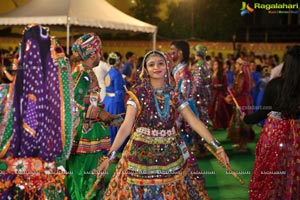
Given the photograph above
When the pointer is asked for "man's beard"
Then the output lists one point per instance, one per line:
(96, 62)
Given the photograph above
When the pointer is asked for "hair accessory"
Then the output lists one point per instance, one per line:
(200, 50)
(113, 59)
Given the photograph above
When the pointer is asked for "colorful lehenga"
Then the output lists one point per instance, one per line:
(276, 173)
(91, 139)
(153, 165)
(36, 128)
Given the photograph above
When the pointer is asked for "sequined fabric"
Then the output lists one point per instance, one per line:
(152, 165)
(276, 173)
(203, 93)
(37, 122)
(185, 83)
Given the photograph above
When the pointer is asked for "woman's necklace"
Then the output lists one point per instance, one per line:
(165, 112)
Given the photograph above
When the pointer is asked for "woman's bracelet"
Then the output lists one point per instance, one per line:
(215, 144)
(111, 155)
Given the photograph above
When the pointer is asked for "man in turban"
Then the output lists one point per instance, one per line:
(91, 138)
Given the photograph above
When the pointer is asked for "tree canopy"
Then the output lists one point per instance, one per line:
(192, 19)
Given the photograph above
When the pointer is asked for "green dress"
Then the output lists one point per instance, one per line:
(91, 138)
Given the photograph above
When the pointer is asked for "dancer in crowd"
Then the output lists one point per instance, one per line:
(239, 132)
(202, 95)
(114, 86)
(154, 163)
(36, 129)
(185, 82)
(276, 170)
(180, 52)
(204, 86)
(219, 111)
(91, 138)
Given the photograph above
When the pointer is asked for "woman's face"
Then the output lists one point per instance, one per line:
(156, 67)
(215, 66)
(238, 66)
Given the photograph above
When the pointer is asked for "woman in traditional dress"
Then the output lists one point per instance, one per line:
(276, 173)
(154, 163)
(219, 111)
(238, 132)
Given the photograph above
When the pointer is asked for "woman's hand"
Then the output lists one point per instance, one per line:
(222, 154)
(103, 165)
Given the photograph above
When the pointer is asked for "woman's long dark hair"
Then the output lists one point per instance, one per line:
(289, 99)
(220, 72)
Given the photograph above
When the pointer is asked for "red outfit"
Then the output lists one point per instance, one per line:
(276, 173)
(242, 86)
(220, 111)
(238, 131)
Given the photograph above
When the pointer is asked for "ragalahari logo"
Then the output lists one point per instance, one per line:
(246, 9)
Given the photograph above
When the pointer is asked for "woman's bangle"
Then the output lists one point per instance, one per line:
(111, 155)
(215, 144)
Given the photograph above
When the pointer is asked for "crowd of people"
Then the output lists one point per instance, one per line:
(64, 120)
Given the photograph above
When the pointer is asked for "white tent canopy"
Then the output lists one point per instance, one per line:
(90, 13)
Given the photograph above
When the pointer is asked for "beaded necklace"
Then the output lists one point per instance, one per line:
(162, 114)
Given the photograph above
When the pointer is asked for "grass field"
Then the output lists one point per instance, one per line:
(222, 185)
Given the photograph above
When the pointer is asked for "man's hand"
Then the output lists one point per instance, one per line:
(105, 116)
(117, 121)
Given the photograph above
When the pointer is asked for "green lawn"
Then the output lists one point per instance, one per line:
(224, 186)
(220, 185)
